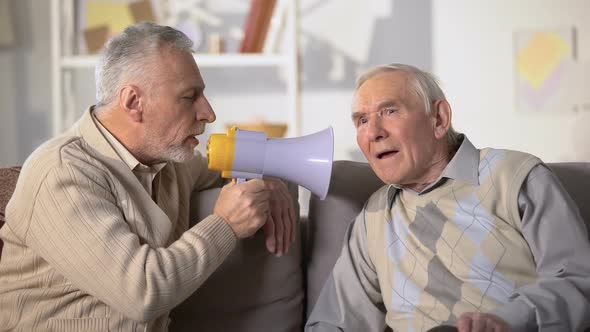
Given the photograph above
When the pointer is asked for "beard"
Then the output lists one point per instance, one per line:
(177, 153)
(156, 150)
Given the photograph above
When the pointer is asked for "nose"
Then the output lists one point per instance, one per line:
(204, 111)
(375, 130)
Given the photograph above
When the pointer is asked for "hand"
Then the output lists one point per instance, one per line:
(244, 206)
(280, 228)
(480, 322)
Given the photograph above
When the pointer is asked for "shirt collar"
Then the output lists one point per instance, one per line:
(123, 153)
(464, 166)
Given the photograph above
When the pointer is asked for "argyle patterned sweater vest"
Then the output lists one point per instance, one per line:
(455, 249)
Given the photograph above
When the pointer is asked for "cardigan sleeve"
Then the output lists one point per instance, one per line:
(76, 225)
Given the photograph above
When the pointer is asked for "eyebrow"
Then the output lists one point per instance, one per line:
(197, 88)
(383, 104)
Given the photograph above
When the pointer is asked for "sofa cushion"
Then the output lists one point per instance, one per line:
(353, 183)
(251, 291)
(8, 177)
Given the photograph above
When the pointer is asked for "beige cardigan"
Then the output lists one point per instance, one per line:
(86, 248)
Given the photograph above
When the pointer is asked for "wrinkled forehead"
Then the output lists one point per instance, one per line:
(384, 89)
(367, 105)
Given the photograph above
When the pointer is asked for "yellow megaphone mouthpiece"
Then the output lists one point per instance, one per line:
(221, 152)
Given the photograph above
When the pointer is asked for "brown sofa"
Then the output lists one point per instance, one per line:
(254, 291)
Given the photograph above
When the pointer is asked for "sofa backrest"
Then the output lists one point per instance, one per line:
(251, 291)
(352, 184)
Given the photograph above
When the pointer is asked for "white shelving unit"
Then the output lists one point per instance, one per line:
(64, 62)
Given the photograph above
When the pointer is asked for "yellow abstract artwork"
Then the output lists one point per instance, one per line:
(543, 61)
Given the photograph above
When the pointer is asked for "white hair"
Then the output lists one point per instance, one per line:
(423, 84)
(127, 55)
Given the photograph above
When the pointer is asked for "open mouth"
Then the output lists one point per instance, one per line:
(386, 154)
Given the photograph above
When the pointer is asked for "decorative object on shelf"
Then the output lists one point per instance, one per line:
(257, 24)
(100, 19)
(188, 16)
(273, 130)
(142, 11)
(216, 44)
(276, 30)
(191, 28)
(95, 38)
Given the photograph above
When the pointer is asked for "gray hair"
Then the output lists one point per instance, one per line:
(126, 56)
(423, 84)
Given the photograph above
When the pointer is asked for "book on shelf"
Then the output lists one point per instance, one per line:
(257, 25)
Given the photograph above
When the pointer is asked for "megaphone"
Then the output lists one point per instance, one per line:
(246, 154)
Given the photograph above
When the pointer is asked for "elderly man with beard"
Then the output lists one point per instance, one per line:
(475, 240)
(97, 232)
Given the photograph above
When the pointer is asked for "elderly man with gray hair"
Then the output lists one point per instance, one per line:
(458, 238)
(97, 232)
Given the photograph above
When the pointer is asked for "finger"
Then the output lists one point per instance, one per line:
(279, 235)
(261, 208)
(254, 185)
(294, 220)
(464, 323)
(491, 326)
(288, 229)
(500, 328)
(478, 324)
(292, 228)
(289, 214)
(228, 186)
(257, 197)
(287, 224)
(269, 231)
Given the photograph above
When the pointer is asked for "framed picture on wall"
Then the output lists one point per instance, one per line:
(545, 69)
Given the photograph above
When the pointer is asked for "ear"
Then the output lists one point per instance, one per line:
(130, 100)
(441, 116)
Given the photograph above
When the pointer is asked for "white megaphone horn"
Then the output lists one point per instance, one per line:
(245, 154)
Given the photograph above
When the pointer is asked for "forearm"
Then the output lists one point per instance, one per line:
(137, 280)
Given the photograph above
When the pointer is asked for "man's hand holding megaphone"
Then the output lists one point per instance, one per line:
(259, 203)
(243, 154)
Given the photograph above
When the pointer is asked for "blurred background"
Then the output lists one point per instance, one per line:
(517, 73)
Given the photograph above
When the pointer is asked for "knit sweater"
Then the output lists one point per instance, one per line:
(86, 247)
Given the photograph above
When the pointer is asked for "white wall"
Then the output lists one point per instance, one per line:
(467, 43)
(25, 90)
(473, 57)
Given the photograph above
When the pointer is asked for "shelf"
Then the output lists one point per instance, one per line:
(63, 35)
(203, 60)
